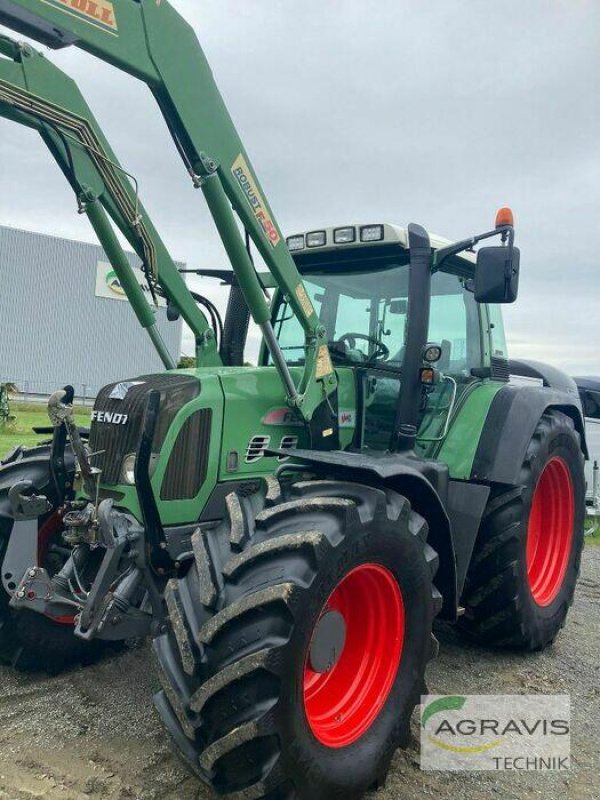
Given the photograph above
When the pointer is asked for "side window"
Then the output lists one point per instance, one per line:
(454, 324)
(497, 336)
(289, 331)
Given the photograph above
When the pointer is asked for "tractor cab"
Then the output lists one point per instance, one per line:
(358, 280)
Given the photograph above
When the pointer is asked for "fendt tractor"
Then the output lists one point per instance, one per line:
(287, 533)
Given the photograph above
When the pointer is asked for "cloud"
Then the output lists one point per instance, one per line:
(433, 112)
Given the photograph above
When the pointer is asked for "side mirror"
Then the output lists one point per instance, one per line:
(497, 274)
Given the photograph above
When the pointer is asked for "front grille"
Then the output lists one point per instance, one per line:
(112, 442)
(188, 462)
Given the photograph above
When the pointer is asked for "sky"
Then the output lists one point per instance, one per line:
(436, 113)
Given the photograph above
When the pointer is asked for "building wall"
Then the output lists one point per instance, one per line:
(54, 330)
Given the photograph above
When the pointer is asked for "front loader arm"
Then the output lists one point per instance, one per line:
(150, 40)
(35, 93)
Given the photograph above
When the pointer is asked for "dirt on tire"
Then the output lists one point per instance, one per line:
(92, 732)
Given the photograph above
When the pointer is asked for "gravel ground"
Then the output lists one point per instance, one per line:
(92, 732)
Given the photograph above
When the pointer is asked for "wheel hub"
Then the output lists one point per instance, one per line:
(328, 642)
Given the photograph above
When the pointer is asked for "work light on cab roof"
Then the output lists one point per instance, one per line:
(349, 234)
(316, 239)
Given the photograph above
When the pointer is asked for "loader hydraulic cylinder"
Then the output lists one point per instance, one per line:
(131, 287)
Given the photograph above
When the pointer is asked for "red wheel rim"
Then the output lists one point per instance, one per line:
(550, 531)
(342, 704)
(48, 530)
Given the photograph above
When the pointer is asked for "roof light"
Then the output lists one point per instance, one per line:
(316, 239)
(371, 233)
(295, 243)
(344, 235)
(504, 217)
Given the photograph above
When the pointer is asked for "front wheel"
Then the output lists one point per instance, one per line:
(522, 578)
(298, 642)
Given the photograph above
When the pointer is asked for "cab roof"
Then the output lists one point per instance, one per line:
(344, 237)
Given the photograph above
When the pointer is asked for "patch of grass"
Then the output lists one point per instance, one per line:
(31, 415)
(593, 523)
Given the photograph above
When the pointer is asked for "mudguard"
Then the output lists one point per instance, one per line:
(425, 484)
(513, 416)
(27, 464)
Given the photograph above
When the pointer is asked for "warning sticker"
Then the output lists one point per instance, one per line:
(324, 365)
(304, 300)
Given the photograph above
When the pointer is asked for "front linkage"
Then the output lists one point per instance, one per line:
(111, 583)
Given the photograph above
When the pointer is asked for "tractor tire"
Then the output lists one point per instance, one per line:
(526, 562)
(31, 642)
(298, 641)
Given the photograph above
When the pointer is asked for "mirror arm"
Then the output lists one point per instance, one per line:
(510, 234)
(444, 253)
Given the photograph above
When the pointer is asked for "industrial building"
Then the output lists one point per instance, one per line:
(65, 319)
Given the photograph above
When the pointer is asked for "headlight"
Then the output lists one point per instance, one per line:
(432, 352)
(128, 469)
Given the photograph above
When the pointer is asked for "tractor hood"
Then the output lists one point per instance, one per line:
(215, 426)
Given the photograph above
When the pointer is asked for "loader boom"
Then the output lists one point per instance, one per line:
(152, 42)
(35, 93)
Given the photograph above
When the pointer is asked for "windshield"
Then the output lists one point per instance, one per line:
(365, 312)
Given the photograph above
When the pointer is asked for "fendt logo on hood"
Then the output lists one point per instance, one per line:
(100, 13)
(108, 418)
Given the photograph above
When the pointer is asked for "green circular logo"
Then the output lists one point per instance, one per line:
(114, 284)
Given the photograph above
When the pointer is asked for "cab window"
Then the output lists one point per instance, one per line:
(365, 312)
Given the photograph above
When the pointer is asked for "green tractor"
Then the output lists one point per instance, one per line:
(288, 533)
(299, 634)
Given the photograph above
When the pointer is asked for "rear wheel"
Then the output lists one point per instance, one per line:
(298, 642)
(31, 642)
(526, 562)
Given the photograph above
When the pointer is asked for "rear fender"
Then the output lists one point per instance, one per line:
(511, 421)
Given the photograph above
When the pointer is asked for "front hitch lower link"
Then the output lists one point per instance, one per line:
(106, 611)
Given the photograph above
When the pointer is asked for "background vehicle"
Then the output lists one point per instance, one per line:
(589, 391)
(300, 607)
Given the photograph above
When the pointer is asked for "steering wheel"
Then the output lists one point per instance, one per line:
(381, 351)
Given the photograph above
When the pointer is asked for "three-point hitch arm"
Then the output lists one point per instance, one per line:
(151, 41)
(35, 93)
